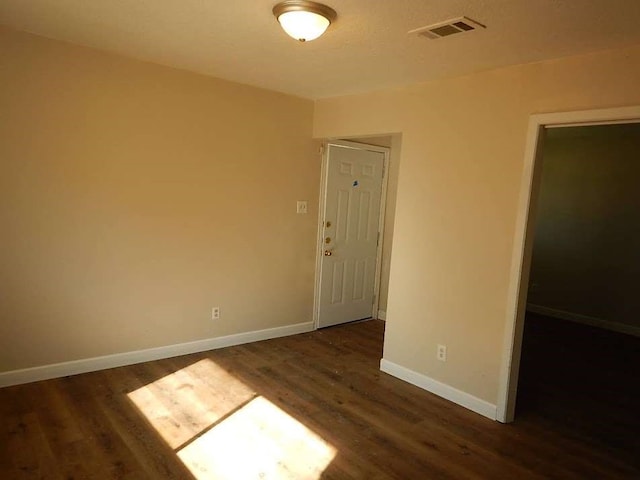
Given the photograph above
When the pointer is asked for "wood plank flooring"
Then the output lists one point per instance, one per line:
(582, 381)
(137, 422)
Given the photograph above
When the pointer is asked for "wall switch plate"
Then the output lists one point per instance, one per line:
(215, 313)
(442, 353)
(301, 206)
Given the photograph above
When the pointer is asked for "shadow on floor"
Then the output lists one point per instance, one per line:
(584, 381)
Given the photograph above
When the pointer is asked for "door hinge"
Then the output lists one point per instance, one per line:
(321, 149)
(378, 239)
(373, 300)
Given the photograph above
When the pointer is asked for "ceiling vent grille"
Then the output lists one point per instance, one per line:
(447, 28)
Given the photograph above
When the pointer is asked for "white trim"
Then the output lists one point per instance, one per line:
(522, 244)
(324, 172)
(56, 370)
(592, 124)
(443, 390)
(584, 319)
(584, 118)
(382, 315)
(381, 217)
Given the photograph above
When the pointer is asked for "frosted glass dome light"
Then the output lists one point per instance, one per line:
(304, 20)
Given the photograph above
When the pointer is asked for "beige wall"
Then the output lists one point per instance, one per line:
(462, 157)
(135, 197)
(585, 254)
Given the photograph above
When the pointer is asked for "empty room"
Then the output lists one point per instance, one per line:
(251, 239)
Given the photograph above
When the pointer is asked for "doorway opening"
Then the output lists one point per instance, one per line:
(581, 340)
(539, 127)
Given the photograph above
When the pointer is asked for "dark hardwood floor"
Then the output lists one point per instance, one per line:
(582, 382)
(308, 406)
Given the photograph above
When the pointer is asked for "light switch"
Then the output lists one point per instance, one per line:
(301, 206)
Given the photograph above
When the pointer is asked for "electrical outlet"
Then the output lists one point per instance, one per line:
(215, 313)
(442, 353)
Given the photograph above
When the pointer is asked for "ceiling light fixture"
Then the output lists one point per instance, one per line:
(304, 20)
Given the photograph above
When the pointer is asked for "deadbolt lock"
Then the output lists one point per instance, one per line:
(327, 240)
(328, 224)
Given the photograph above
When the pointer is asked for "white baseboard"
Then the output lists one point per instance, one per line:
(46, 372)
(584, 319)
(382, 315)
(443, 390)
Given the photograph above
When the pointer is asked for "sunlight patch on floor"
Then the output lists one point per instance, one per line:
(258, 441)
(222, 429)
(185, 403)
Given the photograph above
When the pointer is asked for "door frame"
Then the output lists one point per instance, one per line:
(523, 238)
(324, 172)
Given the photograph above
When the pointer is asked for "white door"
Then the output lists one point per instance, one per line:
(350, 234)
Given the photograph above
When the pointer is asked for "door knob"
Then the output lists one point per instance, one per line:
(328, 253)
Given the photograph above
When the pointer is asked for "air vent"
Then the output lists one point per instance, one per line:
(447, 28)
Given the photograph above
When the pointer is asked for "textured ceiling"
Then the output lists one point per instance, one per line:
(366, 49)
